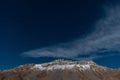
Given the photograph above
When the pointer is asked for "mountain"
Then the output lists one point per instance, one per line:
(61, 70)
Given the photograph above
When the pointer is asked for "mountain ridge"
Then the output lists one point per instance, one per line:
(61, 70)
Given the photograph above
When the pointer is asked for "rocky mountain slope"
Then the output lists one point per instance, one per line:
(61, 70)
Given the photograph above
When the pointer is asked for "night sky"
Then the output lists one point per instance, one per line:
(37, 31)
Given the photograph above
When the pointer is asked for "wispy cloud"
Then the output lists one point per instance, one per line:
(105, 38)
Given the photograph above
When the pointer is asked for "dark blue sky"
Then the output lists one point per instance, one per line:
(32, 24)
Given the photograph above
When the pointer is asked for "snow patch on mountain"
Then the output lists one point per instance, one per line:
(61, 67)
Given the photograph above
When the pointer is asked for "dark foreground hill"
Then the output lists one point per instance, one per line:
(61, 70)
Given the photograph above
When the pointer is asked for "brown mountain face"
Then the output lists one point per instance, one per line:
(61, 70)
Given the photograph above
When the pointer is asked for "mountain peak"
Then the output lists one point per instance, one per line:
(62, 61)
(62, 64)
(61, 70)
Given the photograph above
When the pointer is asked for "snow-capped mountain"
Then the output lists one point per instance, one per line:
(61, 70)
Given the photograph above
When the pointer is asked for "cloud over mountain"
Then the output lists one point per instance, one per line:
(103, 41)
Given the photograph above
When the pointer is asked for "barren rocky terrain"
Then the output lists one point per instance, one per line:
(61, 70)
